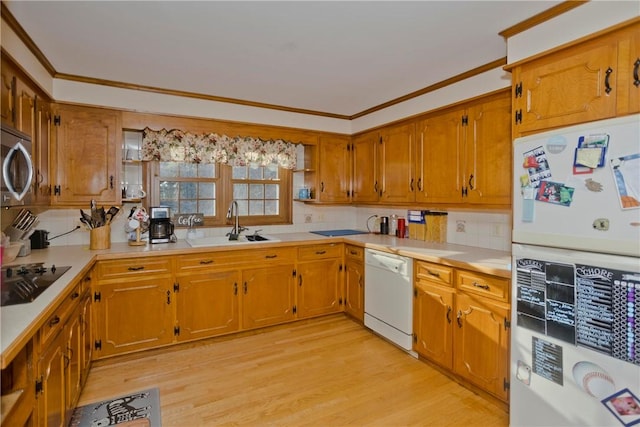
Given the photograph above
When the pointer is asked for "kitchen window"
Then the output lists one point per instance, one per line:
(204, 173)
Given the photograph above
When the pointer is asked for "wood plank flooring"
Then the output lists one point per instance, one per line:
(329, 371)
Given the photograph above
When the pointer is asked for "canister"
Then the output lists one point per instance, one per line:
(393, 224)
(384, 225)
(436, 227)
(402, 228)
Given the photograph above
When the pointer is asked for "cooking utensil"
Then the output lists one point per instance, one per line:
(86, 219)
(111, 213)
(21, 215)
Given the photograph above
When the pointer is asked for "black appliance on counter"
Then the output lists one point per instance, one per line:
(160, 225)
(24, 283)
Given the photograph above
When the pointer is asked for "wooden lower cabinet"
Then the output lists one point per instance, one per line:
(433, 327)
(51, 384)
(464, 331)
(208, 303)
(133, 315)
(354, 282)
(481, 342)
(319, 280)
(268, 296)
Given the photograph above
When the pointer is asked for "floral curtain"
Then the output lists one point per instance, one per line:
(179, 146)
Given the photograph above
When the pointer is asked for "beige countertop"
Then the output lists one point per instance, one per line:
(18, 323)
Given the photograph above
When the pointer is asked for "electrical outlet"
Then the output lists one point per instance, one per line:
(461, 226)
(308, 218)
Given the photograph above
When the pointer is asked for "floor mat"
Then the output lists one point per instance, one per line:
(140, 409)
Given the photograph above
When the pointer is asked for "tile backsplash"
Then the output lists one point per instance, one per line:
(482, 229)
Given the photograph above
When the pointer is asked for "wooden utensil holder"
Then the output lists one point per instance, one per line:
(100, 238)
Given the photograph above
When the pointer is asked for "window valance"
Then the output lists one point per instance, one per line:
(180, 146)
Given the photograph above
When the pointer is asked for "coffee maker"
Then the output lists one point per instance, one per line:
(160, 225)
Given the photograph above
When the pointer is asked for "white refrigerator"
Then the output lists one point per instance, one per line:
(575, 329)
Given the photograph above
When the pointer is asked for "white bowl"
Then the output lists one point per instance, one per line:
(9, 253)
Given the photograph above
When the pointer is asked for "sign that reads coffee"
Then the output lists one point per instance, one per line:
(189, 220)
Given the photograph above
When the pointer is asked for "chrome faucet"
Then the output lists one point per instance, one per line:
(232, 212)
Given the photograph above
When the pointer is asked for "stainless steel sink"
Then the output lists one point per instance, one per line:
(224, 241)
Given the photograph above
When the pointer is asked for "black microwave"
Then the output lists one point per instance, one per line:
(17, 168)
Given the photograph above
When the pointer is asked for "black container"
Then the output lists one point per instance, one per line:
(384, 225)
(39, 239)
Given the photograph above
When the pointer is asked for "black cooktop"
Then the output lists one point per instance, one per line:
(24, 283)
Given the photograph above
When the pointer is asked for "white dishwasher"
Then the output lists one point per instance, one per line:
(388, 297)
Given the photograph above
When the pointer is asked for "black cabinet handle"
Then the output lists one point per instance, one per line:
(433, 273)
(54, 321)
(458, 318)
(449, 309)
(420, 184)
(136, 268)
(321, 252)
(271, 256)
(481, 286)
(206, 261)
(607, 86)
(168, 297)
(471, 182)
(111, 182)
(411, 185)
(636, 76)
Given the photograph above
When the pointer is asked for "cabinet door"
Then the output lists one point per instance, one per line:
(51, 400)
(41, 143)
(481, 338)
(120, 325)
(354, 288)
(207, 304)
(567, 87)
(267, 296)
(25, 108)
(432, 322)
(629, 73)
(87, 341)
(487, 171)
(397, 153)
(86, 155)
(335, 169)
(364, 152)
(440, 149)
(319, 287)
(7, 94)
(73, 360)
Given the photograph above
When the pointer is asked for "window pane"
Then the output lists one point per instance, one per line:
(188, 170)
(271, 172)
(172, 204)
(168, 190)
(169, 169)
(271, 191)
(207, 171)
(242, 207)
(256, 191)
(239, 172)
(207, 207)
(188, 190)
(206, 190)
(188, 206)
(256, 207)
(255, 173)
(240, 191)
(271, 207)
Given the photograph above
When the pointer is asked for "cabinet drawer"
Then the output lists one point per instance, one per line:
(435, 273)
(230, 258)
(55, 322)
(132, 267)
(482, 284)
(354, 252)
(330, 250)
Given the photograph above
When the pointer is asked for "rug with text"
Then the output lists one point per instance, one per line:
(135, 409)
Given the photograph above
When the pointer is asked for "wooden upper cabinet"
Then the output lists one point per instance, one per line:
(589, 81)
(464, 154)
(397, 154)
(335, 169)
(487, 164)
(86, 154)
(364, 154)
(25, 108)
(440, 145)
(41, 151)
(7, 92)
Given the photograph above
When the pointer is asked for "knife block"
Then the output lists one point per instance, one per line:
(100, 238)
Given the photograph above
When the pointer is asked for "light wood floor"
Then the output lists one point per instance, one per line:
(329, 371)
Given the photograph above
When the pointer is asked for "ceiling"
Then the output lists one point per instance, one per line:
(337, 57)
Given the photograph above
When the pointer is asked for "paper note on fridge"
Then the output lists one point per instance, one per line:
(626, 173)
(589, 157)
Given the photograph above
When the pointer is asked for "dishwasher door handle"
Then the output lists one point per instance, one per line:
(388, 262)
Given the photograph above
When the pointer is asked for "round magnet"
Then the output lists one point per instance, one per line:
(556, 144)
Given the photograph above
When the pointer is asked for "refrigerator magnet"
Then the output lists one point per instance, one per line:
(555, 193)
(625, 406)
(626, 173)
